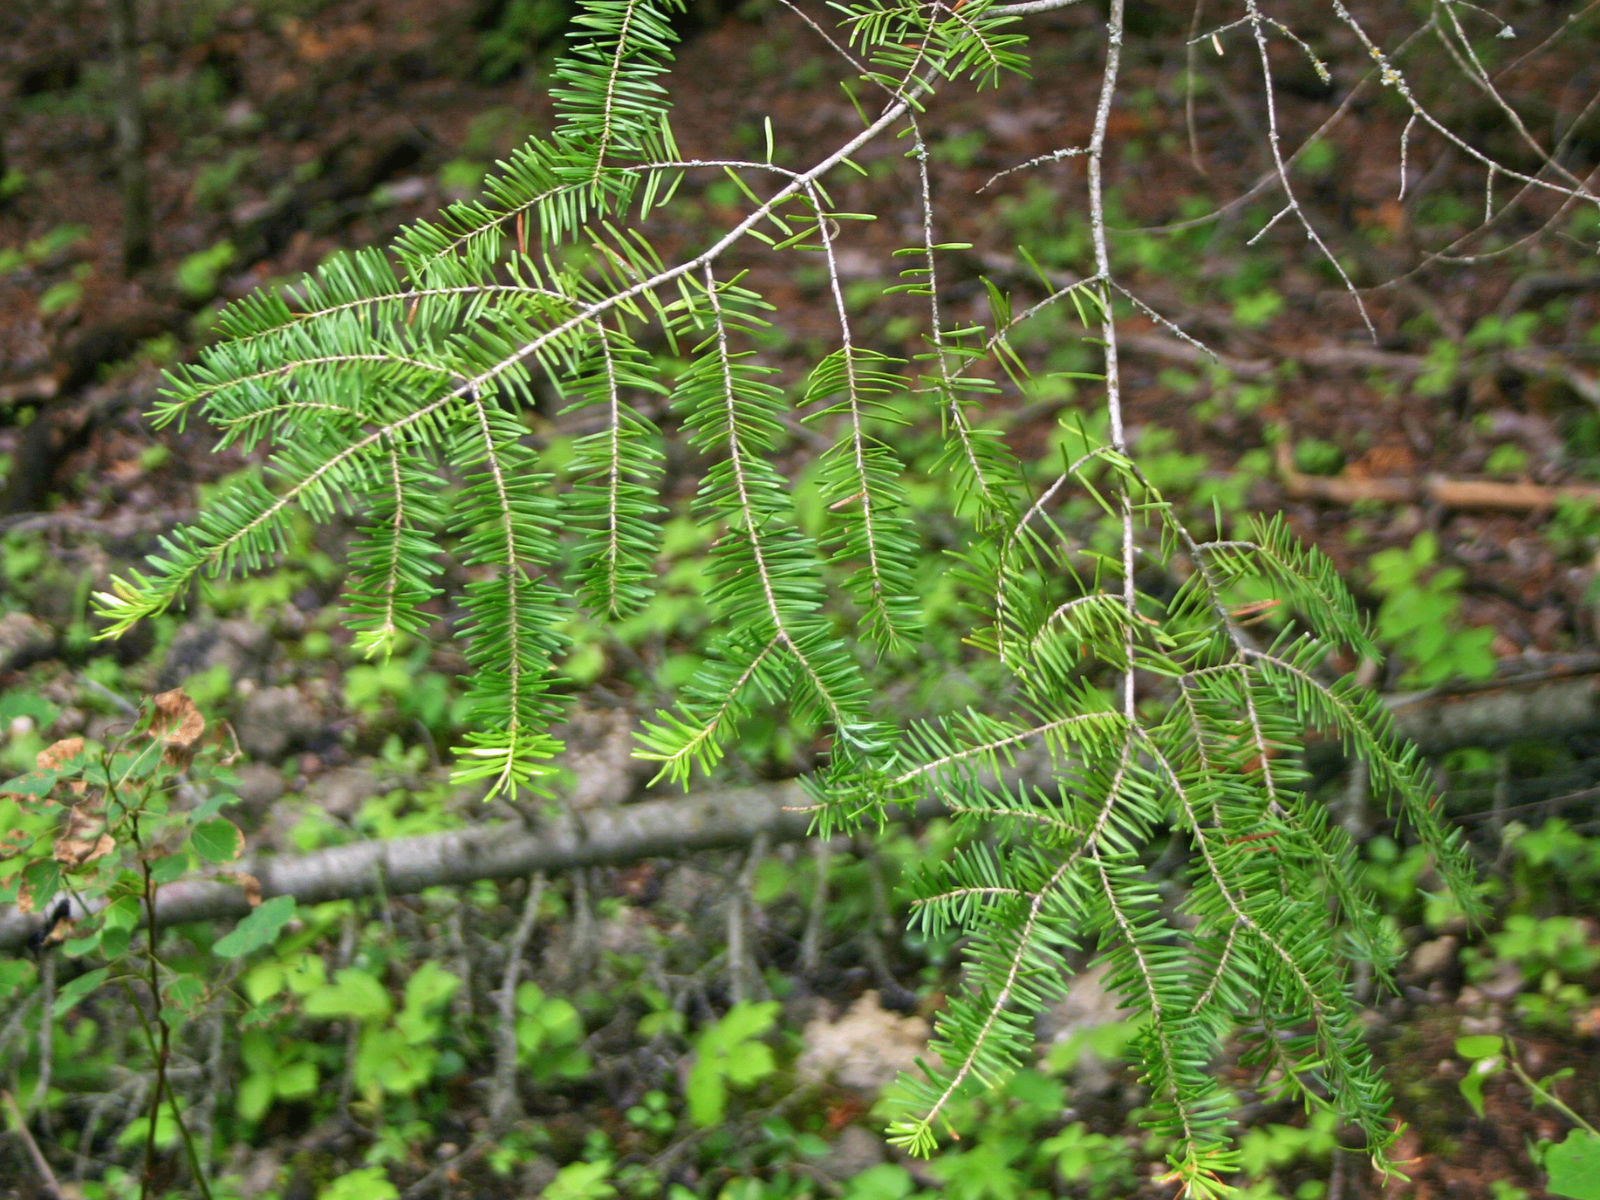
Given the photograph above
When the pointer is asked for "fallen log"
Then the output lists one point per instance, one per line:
(1546, 705)
(405, 866)
(1428, 489)
(1328, 357)
(1535, 710)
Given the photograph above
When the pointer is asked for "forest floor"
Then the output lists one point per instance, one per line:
(283, 132)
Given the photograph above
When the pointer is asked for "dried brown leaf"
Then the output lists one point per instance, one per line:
(178, 723)
(85, 839)
(54, 755)
(248, 882)
(73, 853)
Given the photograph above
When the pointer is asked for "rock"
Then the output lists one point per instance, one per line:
(24, 640)
(865, 1049)
(68, 722)
(105, 728)
(260, 787)
(1432, 958)
(687, 890)
(341, 792)
(1507, 982)
(855, 1151)
(242, 647)
(599, 753)
(259, 1174)
(538, 1174)
(1088, 1005)
(630, 931)
(276, 720)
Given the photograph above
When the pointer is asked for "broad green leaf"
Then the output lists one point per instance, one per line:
(297, 1080)
(186, 992)
(886, 1181)
(581, 1181)
(169, 869)
(258, 1052)
(742, 1022)
(1471, 1084)
(263, 982)
(68, 994)
(572, 1063)
(114, 942)
(254, 1097)
(530, 1035)
(707, 1093)
(78, 947)
(667, 1021)
(1480, 1046)
(369, 1183)
(258, 929)
(386, 1061)
(529, 997)
(218, 840)
(42, 880)
(353, 993)
(1574, 1166)
(14, 973)
(211, 806)
(562, 1024)
(34, 783)
(166, 1130)
(306, 974)
(125, 913)
(417, 1026)
(430, 985)
(750, 1062)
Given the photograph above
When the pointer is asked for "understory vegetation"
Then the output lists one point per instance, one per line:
(1106, 779)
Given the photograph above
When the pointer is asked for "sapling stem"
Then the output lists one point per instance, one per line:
(1545, 1094)
(159, 1038)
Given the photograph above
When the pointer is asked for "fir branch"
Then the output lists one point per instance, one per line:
(399, 402)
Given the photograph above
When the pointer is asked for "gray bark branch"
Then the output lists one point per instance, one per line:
(133, 177)
(1539, 708)
(405, 866)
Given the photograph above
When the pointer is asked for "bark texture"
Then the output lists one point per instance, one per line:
(403, 866)
(133, 177)
(1538, 709)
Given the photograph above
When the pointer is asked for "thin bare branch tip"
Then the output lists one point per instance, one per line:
(1029, 7)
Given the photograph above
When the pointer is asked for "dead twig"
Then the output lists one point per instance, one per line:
(503, 1096)
(811, 941)
(40, 1163)
(743, 977)
(444, 1171)
(1428, 489)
